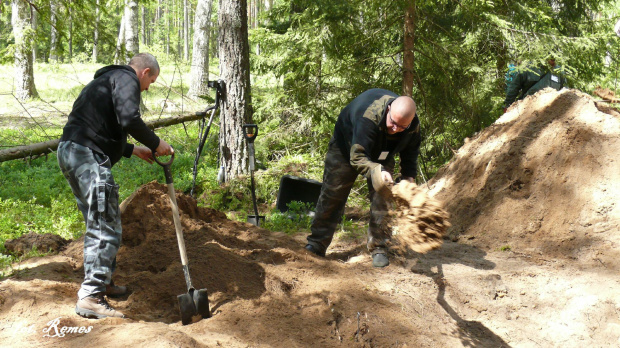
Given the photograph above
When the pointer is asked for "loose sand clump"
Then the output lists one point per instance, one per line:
(418, 221)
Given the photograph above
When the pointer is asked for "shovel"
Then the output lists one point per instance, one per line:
(250, 131)
(195, 302)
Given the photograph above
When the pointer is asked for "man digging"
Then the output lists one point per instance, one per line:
(93, 140)
(369, 132)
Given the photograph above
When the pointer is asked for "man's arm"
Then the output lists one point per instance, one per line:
(126, 100)
(513, 90)
(409, 158)
(365, 133)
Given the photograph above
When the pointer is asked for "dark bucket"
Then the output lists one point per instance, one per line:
(293, 188)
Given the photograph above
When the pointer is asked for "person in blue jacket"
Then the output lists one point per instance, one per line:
(532, 80)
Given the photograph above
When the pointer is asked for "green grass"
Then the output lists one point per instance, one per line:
(35, 197)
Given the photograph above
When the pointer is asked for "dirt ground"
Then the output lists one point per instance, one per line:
(532, 259)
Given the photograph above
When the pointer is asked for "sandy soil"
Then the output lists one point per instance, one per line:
(531, 260)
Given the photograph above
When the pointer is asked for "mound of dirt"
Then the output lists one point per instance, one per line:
(543, 180)
(46, 242)
(532, 259)
(223, 255)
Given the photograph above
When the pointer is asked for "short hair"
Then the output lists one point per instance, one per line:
(145, 60)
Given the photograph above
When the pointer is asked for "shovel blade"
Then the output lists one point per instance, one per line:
(187, 308)
(201, 301)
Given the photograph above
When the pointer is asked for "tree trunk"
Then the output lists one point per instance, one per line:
(35, 24)
(143, 26)
(96, 33)
(167, 32)
(70, 34)
(256, 12)
(132, 43)
(408, 53)
(38, 149)
(200, 52)
(236, 108)
(185, 30)
(53, 31)
(24, 77)
(120, 43)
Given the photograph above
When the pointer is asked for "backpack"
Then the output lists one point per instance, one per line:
(550, 79)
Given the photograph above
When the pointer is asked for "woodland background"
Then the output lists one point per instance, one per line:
(299, 63)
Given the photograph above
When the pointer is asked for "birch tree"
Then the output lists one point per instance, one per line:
(132, 42)
(54, 35)
(96, 33)
(185, 30)
(236, 106)
(23, 33)
(119, 55)
(200, 52)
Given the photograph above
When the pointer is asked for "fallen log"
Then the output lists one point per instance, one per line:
(38, 149)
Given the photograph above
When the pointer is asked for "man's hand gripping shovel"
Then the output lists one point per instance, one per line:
(382, 183)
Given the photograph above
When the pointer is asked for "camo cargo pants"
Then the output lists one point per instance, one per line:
(90, 177)
(338, 179)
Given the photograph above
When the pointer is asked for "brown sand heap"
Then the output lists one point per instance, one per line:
(222, 253)
(418, 221)
(45, 243)
(543, 180)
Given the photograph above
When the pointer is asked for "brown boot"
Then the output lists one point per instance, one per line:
(96, 306)
(115, 290)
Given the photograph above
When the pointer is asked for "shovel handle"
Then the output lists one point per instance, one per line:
(163, 164)
(166, 166)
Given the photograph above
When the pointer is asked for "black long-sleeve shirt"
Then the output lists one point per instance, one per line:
(106, 111)
(361, 133)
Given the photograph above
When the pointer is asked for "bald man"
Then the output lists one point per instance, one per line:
(370, 131)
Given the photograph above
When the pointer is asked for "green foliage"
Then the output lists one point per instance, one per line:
(296, 219)
(323, 53)
(19, 218)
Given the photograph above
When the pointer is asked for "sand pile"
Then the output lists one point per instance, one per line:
(543, 180)
(223, 255)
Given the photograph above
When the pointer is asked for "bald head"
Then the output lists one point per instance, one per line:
(401, 114)
(403, 107)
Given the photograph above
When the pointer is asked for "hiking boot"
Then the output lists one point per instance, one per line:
(96, 306)
(311, 248)
(380, 260)
(115, 290)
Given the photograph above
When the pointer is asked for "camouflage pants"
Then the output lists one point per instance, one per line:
(338, 179)
(90, 177)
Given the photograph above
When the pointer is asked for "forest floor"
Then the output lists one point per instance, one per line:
(532, 259)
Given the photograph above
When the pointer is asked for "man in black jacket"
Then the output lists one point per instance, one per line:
(93, 140)
(374, 127)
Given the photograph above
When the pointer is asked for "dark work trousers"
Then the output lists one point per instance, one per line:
(90, 177)
(338, 179)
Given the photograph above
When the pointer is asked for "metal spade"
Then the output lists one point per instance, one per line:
(194, 302)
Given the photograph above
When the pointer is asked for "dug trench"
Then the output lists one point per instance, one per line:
(531, 259)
